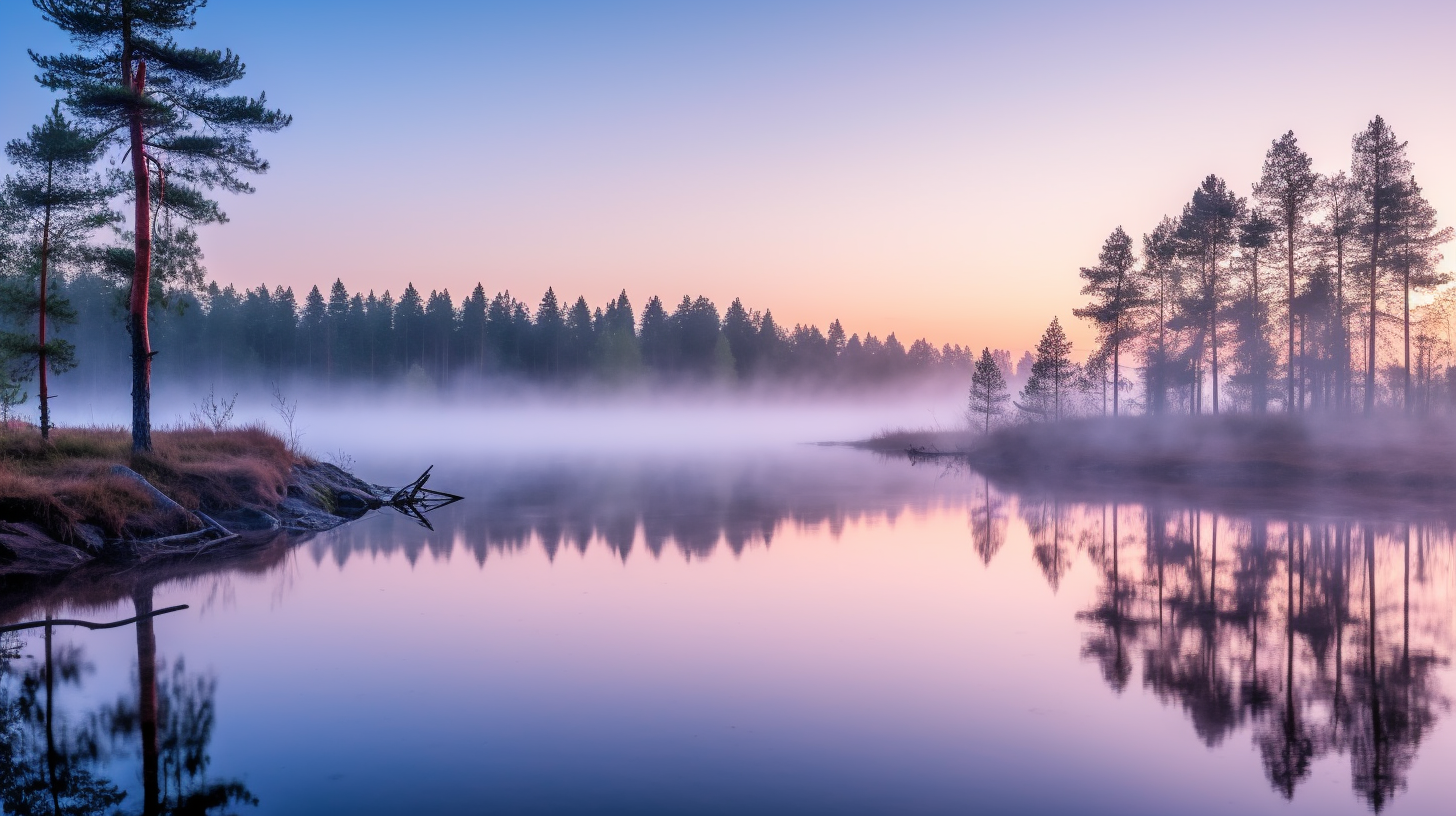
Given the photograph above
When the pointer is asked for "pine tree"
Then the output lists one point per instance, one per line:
(196, 138)
(472, 328)
(1051, 374)
(988, 389)
(337, 328)
(1288, 189)
(1116, 295)
(1379, 169)
(313, 325)
(742, 337)
(1159, 275)
(1414, 238)
(1338, 199)
(1256, 234)
(56, 201)
(1205, 235)
(579, 336)
(550, 333)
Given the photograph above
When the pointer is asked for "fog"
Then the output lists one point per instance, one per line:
(514, 421)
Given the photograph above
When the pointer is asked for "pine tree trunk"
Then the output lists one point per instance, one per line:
(1370, 349)
(41, 380)
(141, 351)
(1289, 245)
(1405, 303)
(147, 700)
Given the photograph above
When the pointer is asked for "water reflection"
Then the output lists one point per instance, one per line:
(64, 764)
(1284, 629)
(1320, 635)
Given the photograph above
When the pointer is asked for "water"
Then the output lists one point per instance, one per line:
(798, 629)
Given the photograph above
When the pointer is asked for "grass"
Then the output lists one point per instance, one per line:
(66, 482)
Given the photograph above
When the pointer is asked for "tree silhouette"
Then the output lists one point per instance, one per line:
(1051, 374)
(988, 389)
(1116, 295)
(1287, 189)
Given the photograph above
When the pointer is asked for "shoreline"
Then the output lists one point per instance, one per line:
(82, 498)
(1273, 460)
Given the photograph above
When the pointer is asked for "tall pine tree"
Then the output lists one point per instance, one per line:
(1379, 169)
(1116, 294)
(1287, 191)
(177, 125)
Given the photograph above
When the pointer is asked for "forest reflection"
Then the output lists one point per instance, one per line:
(1300, 633)
(1315, 634)
(1320, 635)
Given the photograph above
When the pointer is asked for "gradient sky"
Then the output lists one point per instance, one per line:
(931, 169)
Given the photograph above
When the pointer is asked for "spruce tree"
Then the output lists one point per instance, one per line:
(1116, 294)
(988, 389)
(1287, 190)
(178, 125)
(56, 202)
(1052, 373)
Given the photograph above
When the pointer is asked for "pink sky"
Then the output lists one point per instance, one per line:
(936, 170)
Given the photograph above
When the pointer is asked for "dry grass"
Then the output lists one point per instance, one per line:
(67, 482)
(899, 440)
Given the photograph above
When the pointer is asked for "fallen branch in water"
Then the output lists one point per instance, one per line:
(15, 627)
(415, 500)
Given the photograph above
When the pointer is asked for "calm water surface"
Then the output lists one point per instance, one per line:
(806, 630)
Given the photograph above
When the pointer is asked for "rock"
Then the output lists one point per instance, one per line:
(31, 551)
(297, 514)
(247, 520)
(90, 538)
(352, 504)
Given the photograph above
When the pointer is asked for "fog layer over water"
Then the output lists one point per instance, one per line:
(749, 624)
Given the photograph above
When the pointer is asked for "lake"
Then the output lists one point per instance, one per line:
(792, 628)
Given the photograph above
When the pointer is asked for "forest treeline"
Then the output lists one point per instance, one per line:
(335, 336)
(1315, 293)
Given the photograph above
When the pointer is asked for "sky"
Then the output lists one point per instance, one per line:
(932, 169)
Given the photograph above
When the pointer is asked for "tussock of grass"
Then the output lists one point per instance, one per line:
(67, 482)
(899, 440)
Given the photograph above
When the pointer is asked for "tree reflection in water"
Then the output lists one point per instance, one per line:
(54, 764)
(1312, 634)
(1316, 636)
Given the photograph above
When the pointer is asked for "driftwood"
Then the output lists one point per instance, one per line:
(415, 500)
(15, 627)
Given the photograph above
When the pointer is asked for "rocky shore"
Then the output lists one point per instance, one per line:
(317, 496)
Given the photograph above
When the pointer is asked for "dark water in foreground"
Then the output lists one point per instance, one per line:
(812, 631)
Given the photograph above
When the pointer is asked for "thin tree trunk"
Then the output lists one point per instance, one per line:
(1289, 247)
(45, 258)
(1370, 349)
(1342, 368)
(141, 350)
(1405, 319)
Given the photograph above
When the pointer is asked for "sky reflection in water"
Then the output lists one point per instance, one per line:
(815, 630)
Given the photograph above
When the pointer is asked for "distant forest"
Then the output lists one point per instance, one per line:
(334, 336)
